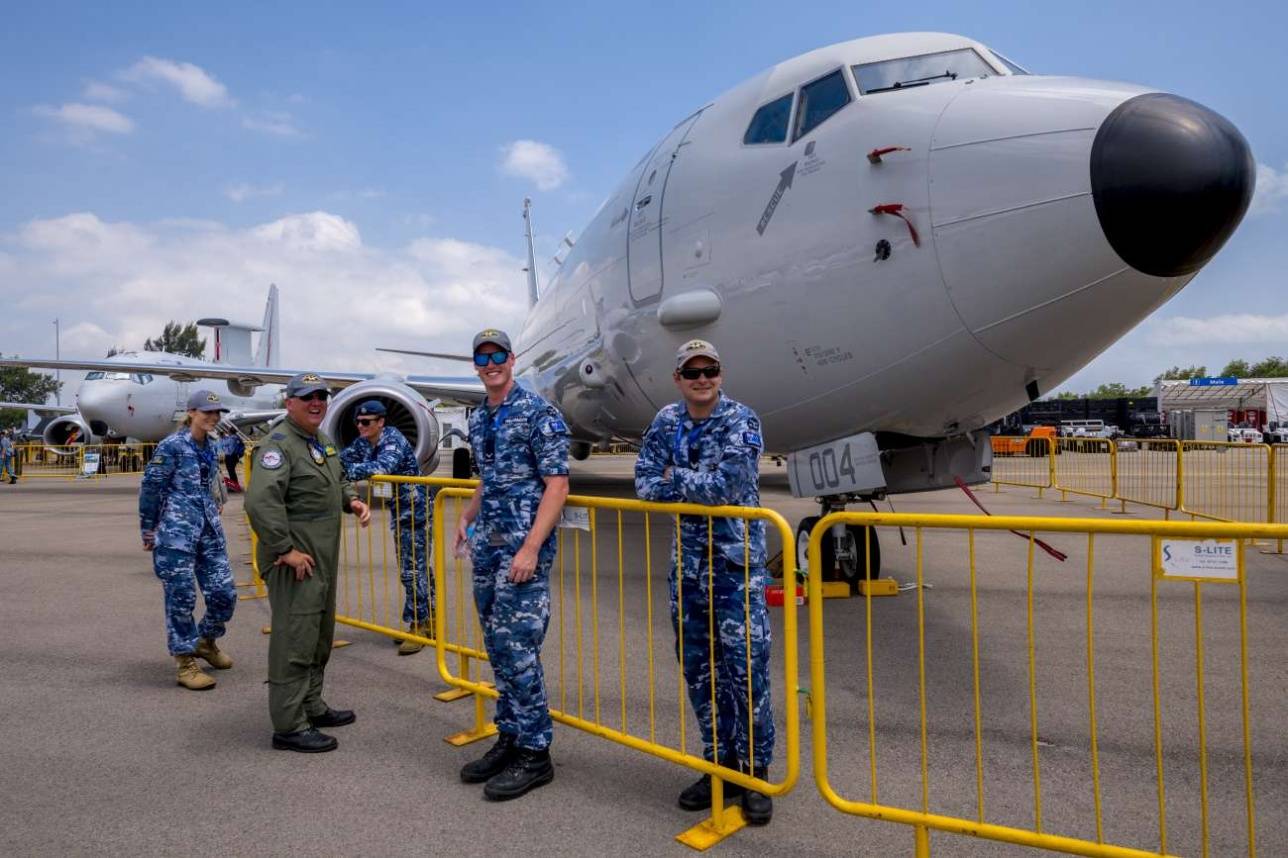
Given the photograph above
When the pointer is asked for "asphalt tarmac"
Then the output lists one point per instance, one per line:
(100, 752)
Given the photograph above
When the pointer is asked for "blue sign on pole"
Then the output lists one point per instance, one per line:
(1214, 381)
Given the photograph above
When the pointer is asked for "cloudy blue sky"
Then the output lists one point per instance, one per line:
(163, 161)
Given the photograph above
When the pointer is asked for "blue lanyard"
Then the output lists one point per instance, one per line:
(495, 428)
(690, 438)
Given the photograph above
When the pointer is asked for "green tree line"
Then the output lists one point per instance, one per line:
(1268, 367)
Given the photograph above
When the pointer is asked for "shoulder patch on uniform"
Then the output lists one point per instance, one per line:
(157, 459)
(330, 450)
(271, 459)
(277, 436)
(752, 439)
(557, 426)
(753, 423)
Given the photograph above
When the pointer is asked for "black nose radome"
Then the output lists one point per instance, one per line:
(1171, 180)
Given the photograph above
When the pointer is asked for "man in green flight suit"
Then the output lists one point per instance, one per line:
(294, 504)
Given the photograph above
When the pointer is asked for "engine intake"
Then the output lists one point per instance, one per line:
(59, 430)
(406, 410)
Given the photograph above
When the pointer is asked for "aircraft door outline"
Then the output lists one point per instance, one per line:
(644, 234)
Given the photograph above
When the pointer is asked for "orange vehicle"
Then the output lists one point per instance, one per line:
(1028, 445)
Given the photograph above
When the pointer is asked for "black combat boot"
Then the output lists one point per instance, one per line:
(492, 763)
(757, 808)
(697, 795)
(528, 770)
(308, 741)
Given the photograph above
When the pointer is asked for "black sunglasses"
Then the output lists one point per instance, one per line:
(694, 373)
(498, 358)
(366, 421)
(315, 396)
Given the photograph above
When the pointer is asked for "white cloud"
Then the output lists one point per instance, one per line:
(539, 162)
(193, 83)
(275, 122)
(1272, 189)
(244, 191)
(87, 118)
(117, 283)
(99, 91)
(1229, 328)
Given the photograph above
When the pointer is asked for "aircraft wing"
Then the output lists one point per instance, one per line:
(465, 389)
(40, 408)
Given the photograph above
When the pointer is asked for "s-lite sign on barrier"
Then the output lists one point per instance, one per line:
(1168, 769)
(1023, 461)
(1086, 466)
(1226, 481)
(608, 671)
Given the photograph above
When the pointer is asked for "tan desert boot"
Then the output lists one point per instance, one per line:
(190, 675)
(413, 647)
(217, 658)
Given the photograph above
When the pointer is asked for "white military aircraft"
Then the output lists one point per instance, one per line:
(893, 241)
(118, 400)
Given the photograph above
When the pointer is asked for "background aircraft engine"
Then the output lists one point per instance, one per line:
(406, 410)
(60, 429)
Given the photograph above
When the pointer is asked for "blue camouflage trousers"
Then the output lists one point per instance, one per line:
(181, 573)
(729, 600)
(413, 562)
(514, 618)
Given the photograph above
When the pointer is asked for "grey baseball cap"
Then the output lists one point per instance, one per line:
(205, 400)
(695, 348)
(494, 336)
(304, 384)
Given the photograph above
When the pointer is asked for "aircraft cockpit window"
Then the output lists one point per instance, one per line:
(769, 125)
(116, 376)
(924, 70)
(1012, 67)
(819, 100)
(142, 377)
(93, 376)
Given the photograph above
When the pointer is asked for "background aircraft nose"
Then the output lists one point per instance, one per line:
(1171, 180)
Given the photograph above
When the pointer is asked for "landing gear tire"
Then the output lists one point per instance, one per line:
(862, 561)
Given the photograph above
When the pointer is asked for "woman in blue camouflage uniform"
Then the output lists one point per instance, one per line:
(179, 504)
(706, 449)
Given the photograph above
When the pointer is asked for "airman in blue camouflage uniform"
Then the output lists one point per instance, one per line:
(381, 449)
(179, 517)
(521, 446)
(706, 449)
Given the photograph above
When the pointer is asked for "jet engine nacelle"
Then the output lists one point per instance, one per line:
(58, 430)
(406, 410)
(237, 387)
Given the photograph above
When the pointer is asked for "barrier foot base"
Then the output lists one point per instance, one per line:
(465, 737)
(708, 832)
(451, 694)
(340, 644)
(266, 630)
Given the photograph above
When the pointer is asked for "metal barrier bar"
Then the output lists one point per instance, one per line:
(1226, 481)
(587, 715)
(72, 461)
(1086, 466)
(1233, 535)
(1023, 461)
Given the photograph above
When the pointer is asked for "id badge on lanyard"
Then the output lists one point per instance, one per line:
(689, 439)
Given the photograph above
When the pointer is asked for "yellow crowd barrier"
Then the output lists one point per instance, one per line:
(71, 461)
(1213, 480)
(978, 689)
(1086, 466)
(591, 583)
(1023, 462)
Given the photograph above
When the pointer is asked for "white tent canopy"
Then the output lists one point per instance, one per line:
(1267, 394)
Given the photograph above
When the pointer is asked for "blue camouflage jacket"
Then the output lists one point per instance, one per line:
(715, 462)
(175, 498)
(392, 455)
(516, 445)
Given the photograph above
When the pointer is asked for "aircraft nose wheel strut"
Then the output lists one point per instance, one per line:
(850, 553)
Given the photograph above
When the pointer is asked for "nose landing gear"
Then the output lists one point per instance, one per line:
(849, 553)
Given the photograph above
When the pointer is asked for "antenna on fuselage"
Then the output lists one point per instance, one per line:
(533, 292)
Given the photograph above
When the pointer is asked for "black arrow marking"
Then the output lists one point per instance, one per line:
(784, 182)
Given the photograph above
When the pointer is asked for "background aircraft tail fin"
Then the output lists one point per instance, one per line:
(533, 293)
(268, 353)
